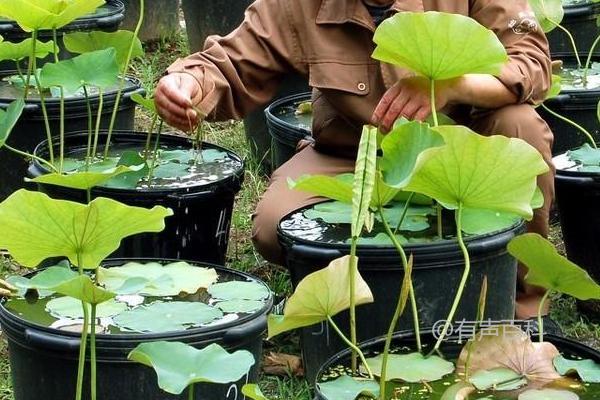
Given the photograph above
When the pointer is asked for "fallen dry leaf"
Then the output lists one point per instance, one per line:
(507, 346)
(283, 365)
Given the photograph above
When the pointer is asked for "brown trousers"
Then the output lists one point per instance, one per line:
(520, 121)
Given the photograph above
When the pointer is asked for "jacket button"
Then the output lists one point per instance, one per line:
(362, 86)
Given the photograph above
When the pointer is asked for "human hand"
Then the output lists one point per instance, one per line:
(173, 100)
(410, 98)
(6, 289)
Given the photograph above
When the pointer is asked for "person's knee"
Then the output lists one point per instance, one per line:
(264, 231)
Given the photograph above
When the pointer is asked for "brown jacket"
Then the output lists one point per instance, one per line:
(330, 42)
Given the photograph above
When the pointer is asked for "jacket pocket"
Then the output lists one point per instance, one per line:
(350, 78)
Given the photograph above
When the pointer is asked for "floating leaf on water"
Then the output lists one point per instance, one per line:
(413, 367)
(412, 40)
(507, 346)
(68, 307)
(381, 239)
(84, 180)
(585, 155)
(548, 394)
(240, 306)
(348, 388)
(161, 279)
(497, 379)
(179, 365)
(588, 370)
(160, 317)
(319, 295)
(550, 270)
(129, 180)
(237, 290)
(171, 170)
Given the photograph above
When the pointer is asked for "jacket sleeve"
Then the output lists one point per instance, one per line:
(528, 74)
(242, 70)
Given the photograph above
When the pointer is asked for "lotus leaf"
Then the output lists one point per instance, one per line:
(240, 306)
(481, 172)
(161, 280)
(9, 118)
(507, 346)
(178, 365)
(348, 388)
(332, 187)
(23, 49)
(171, 170)
(34, 227)
(550, 270)
(86, 42)
(548, 394)
(236, 290)
(497, 379)
(585, 155)
(588, 370)
(413, 367)
(381, 239)
(401, 149)
(253, 392)
(33, 15)
(364, 179)
(129, 180)
(320, 295)
(549, 13)
(146, 102)
(555, 88)
(84, 180)
(480, 222)
(414, 40)
(459, 391)
(98, 69)
(68, 307)
(160, 317)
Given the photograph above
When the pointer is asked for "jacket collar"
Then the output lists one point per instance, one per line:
(343, 11)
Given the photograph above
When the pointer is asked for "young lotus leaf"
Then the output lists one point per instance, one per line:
(331, 212)
(33, 15)
(171, 170)
(413, 40)
(548, 394)
(549, 13)
(320, 295)
(413, 367)
(240, 306)
(381, 239)
(146, 102)
(236, 290)
(252, 391)
(588, 370)
(34, 227)
(401, 149)
(585, 155)
(459, 391)
(555, 88)
(98, 69)
(332, 187)
(21, 50)
(497, 379)
(84, 180)
(161, 279)
(179, 365)
(481, 172)
(129, 180)
(507, 346)
(189, 156)
(9, 118)
(87, 42)
(68, 307)
(348, 388)
(48, 278)
(550, 270)
(161, 317)
(364, 178)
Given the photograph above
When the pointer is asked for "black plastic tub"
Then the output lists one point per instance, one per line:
(107, 18)
(438, 268)
(199, 228)
(580, 20)
(44, 360)
(286, 127)
(451, 349)
(578, 197)
(578, 105)
(30, 130)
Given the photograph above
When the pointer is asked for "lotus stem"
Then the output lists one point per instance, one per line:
(42, 100)
(463, 280)
(571, 39)
(539, 316)
(98, 121)
(353, 269)
(432, 99)
(191, 392)
(149, 137)
(90, 128)
(93, 352)
(573, 123)
(480, 315)
(83, 340)
(20, 71)
(155, 151)
(27, 80)
(62, 105)
(589, 59)
(32, 156)
(353, 346)
(113, 118)
(404, 211)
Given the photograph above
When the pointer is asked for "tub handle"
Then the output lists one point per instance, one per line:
(50, 341)
(582, 10)
(141, 91)
(561, 99)
(31, 108)
(252, 329)
(109, 21)
(312, 252)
